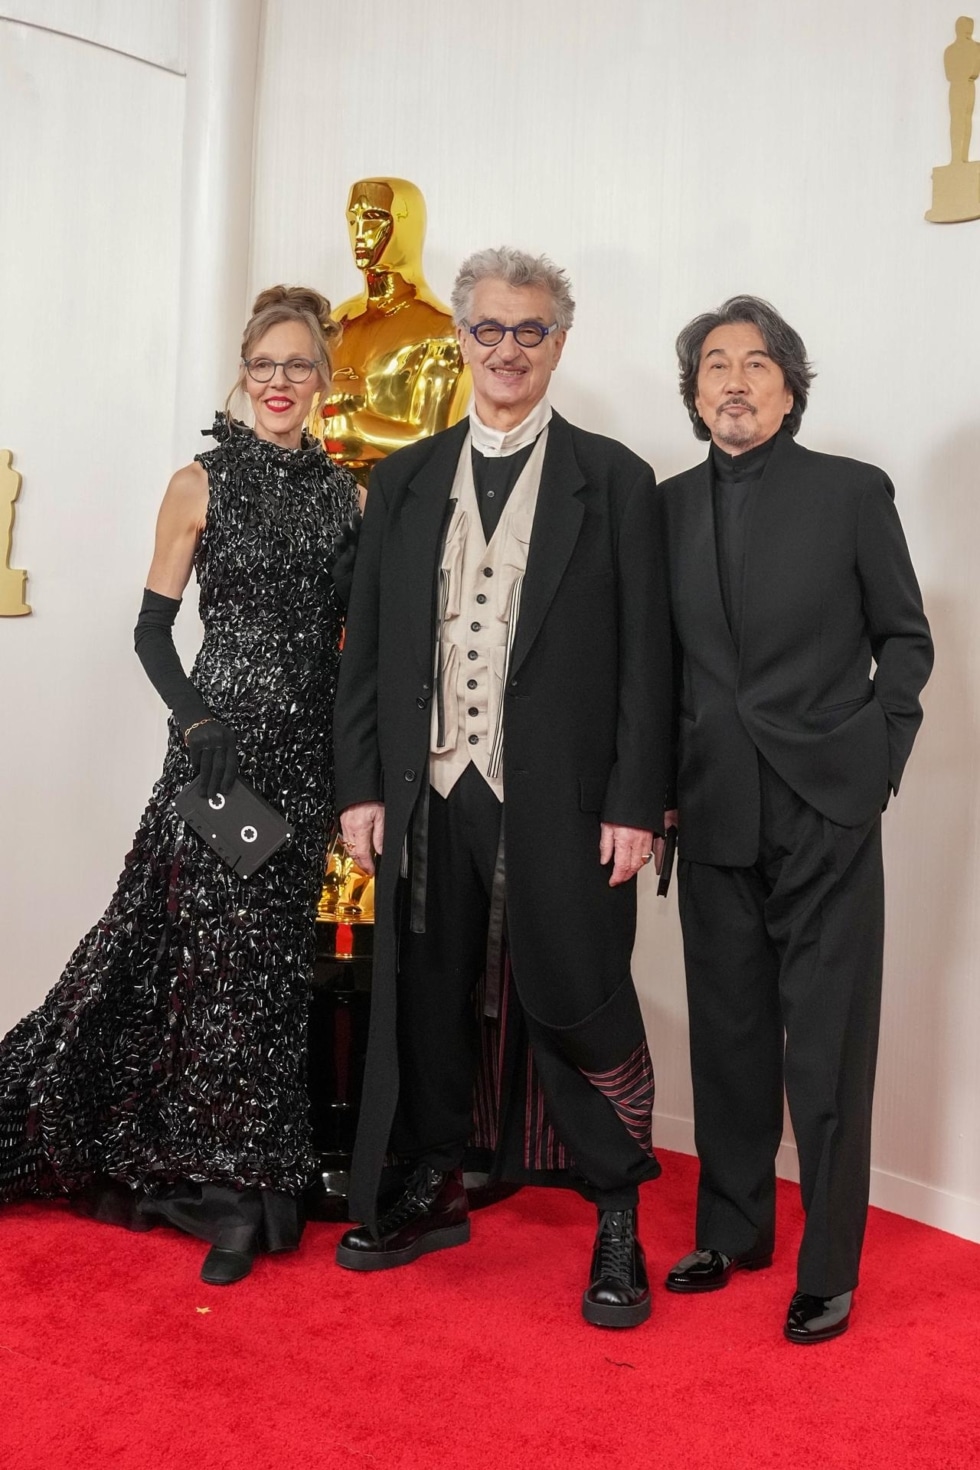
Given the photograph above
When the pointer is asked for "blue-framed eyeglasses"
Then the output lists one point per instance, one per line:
(526, 334)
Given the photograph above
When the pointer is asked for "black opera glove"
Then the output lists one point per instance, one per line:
(154, 641)
(210, 743)
(213, 755)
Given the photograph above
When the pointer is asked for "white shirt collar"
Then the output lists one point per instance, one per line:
(495, 443)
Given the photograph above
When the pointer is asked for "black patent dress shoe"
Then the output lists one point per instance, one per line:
(223, 1267)
(429, 1215)
(618, 1294)
(817, 1318)
(710, 1270)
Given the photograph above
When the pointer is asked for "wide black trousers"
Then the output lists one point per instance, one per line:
(439, 974)
(784, 964)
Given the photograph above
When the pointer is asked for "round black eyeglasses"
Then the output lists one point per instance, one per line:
(263, 369)
(526, 334)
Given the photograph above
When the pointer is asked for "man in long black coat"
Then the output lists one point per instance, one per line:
(789, 574)
(502, 732)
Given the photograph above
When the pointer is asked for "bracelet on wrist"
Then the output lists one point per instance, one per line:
(208, 720)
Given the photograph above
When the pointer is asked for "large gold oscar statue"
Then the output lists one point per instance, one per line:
(398, 374)
(956, 185)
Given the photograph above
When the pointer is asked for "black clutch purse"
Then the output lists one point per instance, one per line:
(241, 827)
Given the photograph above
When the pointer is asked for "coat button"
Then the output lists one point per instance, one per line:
(488, 571)
(474, 739)
(472, 653)
(426, 688)
(409, 775)
(471, 683)
(513, 683)
(481, 598)
(472, 711)
(421, 702)
(474, 627)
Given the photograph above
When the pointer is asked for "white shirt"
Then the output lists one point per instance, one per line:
(495, 443)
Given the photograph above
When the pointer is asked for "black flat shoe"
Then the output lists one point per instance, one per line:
(710, 1270)
(817, 1318)
(223, 1267)
(431, 1214)
(618, 1294)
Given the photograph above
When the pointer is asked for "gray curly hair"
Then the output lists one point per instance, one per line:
(784, 345)
(514, 268)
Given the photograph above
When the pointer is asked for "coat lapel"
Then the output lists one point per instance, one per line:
(773, 509)
(702, 543)
(423, 524)
(557, 522)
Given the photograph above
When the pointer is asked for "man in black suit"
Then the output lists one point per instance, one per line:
(789, 574)
(507, 665)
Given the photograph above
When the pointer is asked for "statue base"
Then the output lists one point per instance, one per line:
(12, 584)
(955, 193)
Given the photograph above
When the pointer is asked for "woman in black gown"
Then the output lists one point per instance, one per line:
(163, 1078)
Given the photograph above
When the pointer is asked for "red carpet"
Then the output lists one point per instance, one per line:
(112, 1353)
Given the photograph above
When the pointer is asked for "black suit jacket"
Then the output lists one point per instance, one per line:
(828, 587)
(587, 721)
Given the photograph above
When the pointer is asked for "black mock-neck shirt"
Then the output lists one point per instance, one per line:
(733, 481)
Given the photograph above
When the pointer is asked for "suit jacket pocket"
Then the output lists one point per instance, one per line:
(591, 792)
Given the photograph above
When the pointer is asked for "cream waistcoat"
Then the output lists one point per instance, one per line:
(479, 605)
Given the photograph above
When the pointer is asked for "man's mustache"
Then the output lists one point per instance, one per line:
(737, 403)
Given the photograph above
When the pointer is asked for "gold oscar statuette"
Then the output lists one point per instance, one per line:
(398, 374)
(348, 892)
(12, 580)
(956, 185)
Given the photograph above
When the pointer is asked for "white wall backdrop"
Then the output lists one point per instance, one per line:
(89, 197)
(668, 155)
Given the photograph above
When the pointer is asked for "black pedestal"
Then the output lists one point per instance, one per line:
(340, 1000)
(340, 1004)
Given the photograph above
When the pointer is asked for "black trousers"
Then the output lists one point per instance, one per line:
(783, 964)
(439, 1027)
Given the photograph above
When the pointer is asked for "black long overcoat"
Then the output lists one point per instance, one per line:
(587, 719)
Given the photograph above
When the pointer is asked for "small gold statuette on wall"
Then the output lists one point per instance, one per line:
(12, 581)
(398, 373)
(956, 185)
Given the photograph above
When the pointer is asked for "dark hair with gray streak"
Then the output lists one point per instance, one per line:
(783, 345)
(514, 268)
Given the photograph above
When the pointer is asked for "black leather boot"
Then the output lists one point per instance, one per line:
(224, 1267)
(618, 1294)
(429, 1215)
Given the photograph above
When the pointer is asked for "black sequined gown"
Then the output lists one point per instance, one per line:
(169, 1059)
